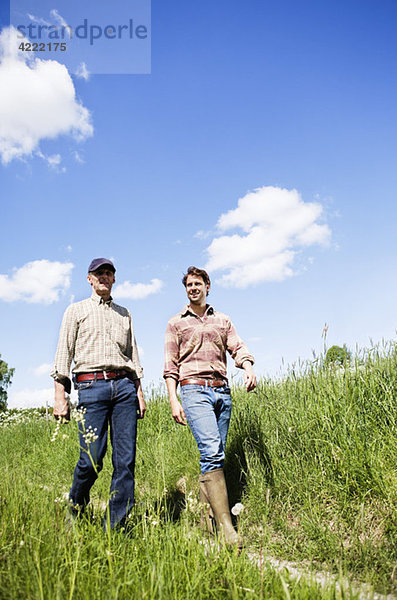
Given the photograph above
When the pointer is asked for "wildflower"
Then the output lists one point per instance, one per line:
(237, 509)
(90, 435)
(21, 543)
(65, 436)
(78, 414)
(192, 504)
(56, 431)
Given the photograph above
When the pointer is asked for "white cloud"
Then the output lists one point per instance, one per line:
(202, 235)
(137, 291)
(37, 101)
(82, 72)
(78, 158)
(276, 224)
(28, 398)
(38, 20)
(41, 370)
(38, 281)
(55, 14)
(35, 398)
(53, 161)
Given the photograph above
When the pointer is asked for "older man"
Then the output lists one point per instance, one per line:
(197, 339)
(98, 336)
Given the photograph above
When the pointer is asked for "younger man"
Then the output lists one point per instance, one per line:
(196, 342)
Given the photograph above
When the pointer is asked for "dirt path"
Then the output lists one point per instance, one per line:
(323, 578)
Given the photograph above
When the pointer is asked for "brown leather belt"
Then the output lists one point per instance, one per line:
(209, 382)
(100, 375)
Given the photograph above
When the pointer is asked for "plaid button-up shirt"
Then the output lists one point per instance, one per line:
(196, 346)
(98, 336)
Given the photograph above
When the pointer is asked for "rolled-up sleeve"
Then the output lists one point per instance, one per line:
(66, 346)
(135, 356)
(171, 366)
(236, 347)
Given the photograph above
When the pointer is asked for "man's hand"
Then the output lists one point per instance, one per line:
(178, 414)
(142, 407)
(249, 376)
(61, 406)
(141, 399)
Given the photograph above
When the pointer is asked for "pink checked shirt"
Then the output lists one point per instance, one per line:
(196, 346)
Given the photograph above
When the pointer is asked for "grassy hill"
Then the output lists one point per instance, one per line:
(312, 457)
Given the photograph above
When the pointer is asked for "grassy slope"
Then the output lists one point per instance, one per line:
(313, 459)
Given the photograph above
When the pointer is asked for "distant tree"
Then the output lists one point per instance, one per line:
(337, 356)
(6, 374)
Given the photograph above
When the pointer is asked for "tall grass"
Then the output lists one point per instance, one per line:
(318, 452)
(312, 457)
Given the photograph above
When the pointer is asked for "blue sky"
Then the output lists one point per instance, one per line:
(262, 145)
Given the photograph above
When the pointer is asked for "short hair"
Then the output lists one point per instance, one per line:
(199, 273)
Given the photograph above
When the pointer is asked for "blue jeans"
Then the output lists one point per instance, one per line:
(208, 412)
(107, 402)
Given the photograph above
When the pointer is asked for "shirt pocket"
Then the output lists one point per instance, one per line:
(121, 333)
(218, 336)
(190, 335)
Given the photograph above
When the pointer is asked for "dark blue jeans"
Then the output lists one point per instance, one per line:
(107, 402)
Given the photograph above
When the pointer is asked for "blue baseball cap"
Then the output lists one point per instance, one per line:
(100, 262)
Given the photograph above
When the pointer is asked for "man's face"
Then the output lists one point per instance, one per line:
(102, 281)
(196, 290)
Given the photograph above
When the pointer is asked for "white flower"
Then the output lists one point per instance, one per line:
(78, 414)
(90, 435)
(237, 509)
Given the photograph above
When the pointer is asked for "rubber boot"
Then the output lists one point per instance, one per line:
(216, 492)
(207, 516)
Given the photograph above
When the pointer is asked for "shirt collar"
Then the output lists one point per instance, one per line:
(99, 300)
(186, 310)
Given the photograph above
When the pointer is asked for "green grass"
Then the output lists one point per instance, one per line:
(312, 458)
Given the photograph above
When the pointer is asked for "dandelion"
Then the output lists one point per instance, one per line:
(237, 509)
